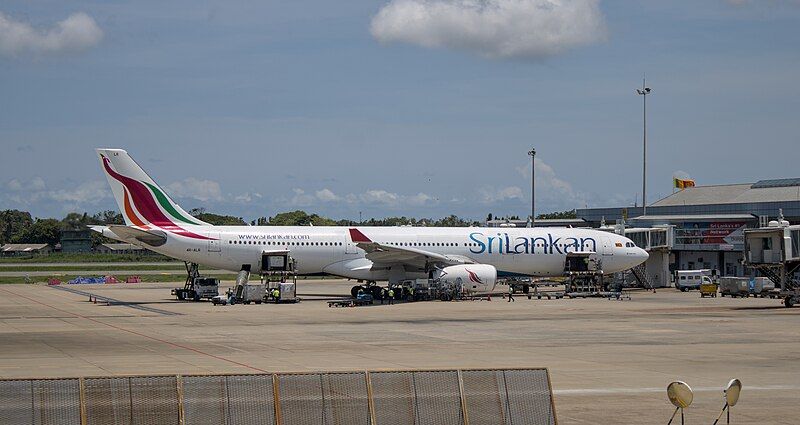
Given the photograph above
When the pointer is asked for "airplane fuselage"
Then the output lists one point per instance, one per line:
(514, 251)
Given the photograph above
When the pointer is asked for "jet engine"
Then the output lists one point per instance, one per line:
(468, 277)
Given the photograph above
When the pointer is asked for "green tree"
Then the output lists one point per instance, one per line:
(75, 221)
(299, 218)
(452, 221)
(108, 217)
(13, 222)
(559, 215)
(43, 230)
(221, 220)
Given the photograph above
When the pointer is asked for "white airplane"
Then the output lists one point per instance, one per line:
(475, 256)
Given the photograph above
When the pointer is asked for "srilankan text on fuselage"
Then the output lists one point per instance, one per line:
(503, 243)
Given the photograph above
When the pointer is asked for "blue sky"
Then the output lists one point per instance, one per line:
(341, 107)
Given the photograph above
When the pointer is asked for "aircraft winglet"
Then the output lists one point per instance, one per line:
(359, 237)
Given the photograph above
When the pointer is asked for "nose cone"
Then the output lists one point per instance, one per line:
(641, 256)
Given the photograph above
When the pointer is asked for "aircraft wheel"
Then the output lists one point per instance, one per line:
(181, 295)
(354, 290)
(788, 302)
(376, 292)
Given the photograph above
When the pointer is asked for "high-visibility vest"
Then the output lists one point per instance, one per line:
(391, 293)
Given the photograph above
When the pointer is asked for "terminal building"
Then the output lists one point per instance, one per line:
(704, 224)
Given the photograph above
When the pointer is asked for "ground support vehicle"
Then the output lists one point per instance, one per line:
(708, 289)
(197, 287)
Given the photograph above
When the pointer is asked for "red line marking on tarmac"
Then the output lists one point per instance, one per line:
(137, 333)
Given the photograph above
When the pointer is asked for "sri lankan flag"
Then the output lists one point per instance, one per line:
(681, 183)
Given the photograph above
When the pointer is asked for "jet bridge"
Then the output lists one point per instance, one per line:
(658, 242)
(774, 252)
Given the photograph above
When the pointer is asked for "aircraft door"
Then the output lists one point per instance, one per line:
(607, 250)
(214, 243)
(349, 246)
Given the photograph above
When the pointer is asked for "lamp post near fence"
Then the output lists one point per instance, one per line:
(532, 154)
(644, 91)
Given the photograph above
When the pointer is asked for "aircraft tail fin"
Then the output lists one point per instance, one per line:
(142, 202)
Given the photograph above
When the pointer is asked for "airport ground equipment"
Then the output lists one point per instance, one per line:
(746, 287)
(360, 300)
(686, 280)
(251, 293)
(197, 287)
(279, 272)
(286, 292)
(584, 274)
(774, 252)
(458, 397)
(708, 289)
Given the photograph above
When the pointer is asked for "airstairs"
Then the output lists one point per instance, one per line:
(640, 273)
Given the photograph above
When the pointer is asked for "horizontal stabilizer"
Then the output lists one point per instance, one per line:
(132, 234)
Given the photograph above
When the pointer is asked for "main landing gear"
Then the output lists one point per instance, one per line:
(370, 288)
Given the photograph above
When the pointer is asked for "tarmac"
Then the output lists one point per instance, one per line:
(610, 361)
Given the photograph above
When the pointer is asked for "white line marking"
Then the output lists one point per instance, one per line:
(600, 391)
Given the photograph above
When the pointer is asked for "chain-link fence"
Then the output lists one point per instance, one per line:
(476, 397)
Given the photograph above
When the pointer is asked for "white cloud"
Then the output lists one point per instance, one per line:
(246, 198)
(35, 184)
(326, 195)
(372, 197)
(201, 190)
(530, 29)
(75, 33)
(490, 195)
(380, 197)
(419, 199)
(90, 192)
(552, 192)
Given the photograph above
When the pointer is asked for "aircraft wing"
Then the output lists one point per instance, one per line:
(388, 254)
(132, 234)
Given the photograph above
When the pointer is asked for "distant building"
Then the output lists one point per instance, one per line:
(539, 222)
(709, 221)
(74, 241)
(25, 249)
(763, 198)
(120, 248)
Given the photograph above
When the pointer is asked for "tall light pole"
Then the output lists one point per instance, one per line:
(644, 91)
(532, 154)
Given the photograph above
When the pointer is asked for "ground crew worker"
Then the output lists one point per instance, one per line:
(391, 296)
(384, 294)
(411, 293)
(511, 294)
(276, 294)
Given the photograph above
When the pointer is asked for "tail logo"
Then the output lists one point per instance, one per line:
(473, 277)
(148, 201)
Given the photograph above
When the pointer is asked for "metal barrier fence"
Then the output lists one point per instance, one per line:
(468, 397)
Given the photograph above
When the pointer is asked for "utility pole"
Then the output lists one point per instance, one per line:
(532, 154)
(644, 91)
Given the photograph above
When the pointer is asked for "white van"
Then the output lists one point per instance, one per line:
(691, 279)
